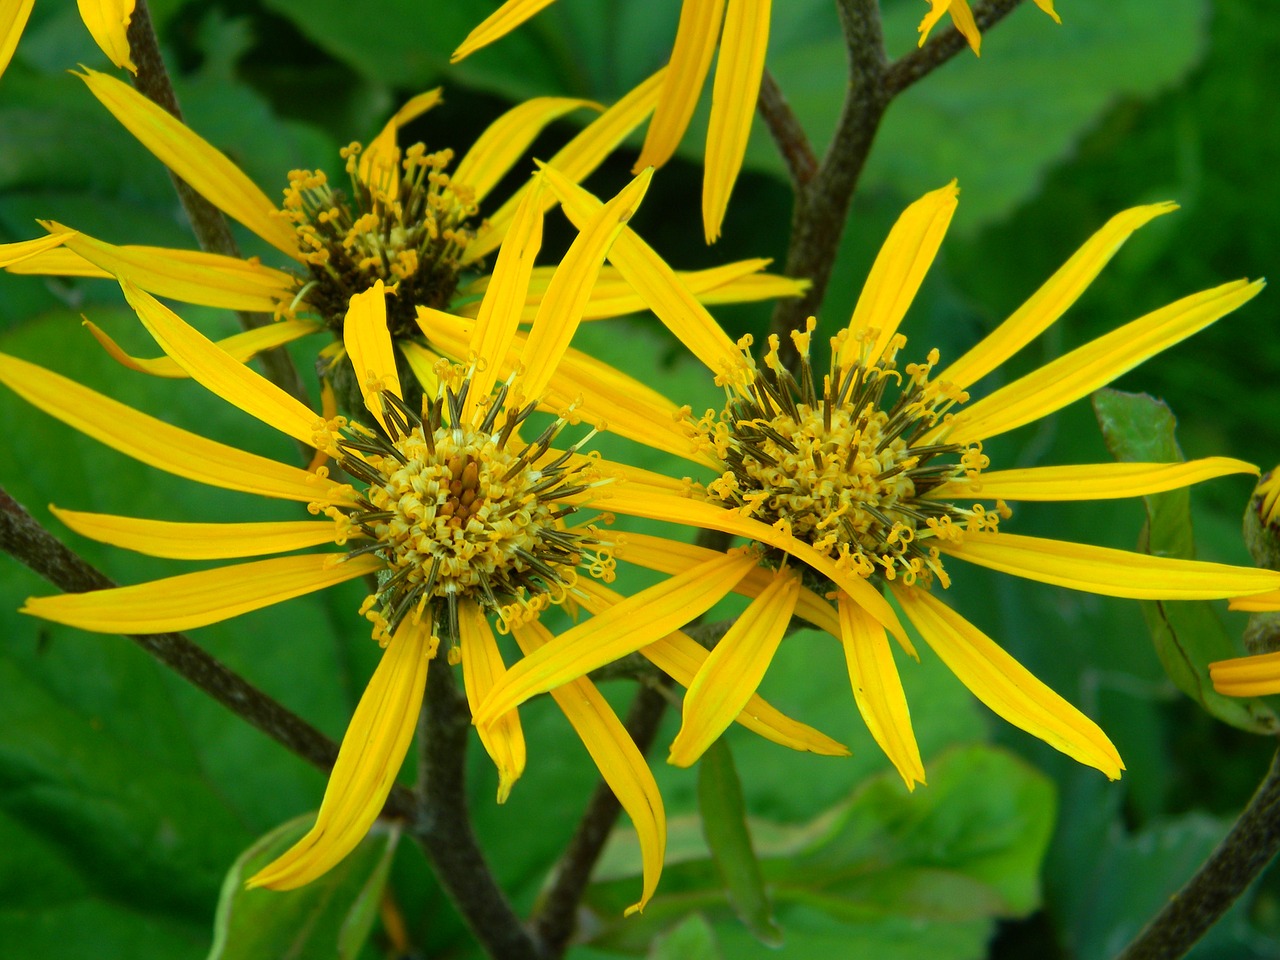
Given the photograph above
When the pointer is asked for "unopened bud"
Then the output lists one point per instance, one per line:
(1262, 522)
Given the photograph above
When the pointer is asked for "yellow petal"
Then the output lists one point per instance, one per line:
(621, 765)
(208, 171)
(576, 159)
(1092, 481)
(219, 372)
(1047, 7)
(160, 444)
(1095, 364)
(198, 599)
(12, 254)
(498, 24)
(198, 541)
(570, 289)
(686, 72)
(897, 273)
(372, 752)
(936, 9)
(750, 288)
(733, 105)
(962, 17)
(1112, 573)
(482, 668)
(1257, 602)
(1004, 685)
(877, 690)
(1053, 299)
(241, 347)
(108, 24)
(13, 20)
(505, 141)
(739, 282)
(1257, 676)
(635, 622)
(733, 671)
(423, 364)
(656, 282)
(368, 344)
(379, 163)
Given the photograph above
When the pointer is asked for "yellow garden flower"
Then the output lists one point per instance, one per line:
(962, 17)
(742, 29)
(458, 516)
(107, 21)
(863, 481)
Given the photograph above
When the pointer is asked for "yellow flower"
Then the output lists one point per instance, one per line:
(742, 41)
(106, 20)
(865, 479)
(962, 17)
(458, 517)
(403, 219)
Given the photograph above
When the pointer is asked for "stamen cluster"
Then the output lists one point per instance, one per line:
(848, 469)
(405, 222)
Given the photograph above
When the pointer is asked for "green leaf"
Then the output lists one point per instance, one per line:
(331, 916)
(724, 824)
(1187, 634)
(691, 940)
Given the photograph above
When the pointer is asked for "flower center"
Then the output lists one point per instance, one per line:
(405, 222)
(849, 470)
(465, 510)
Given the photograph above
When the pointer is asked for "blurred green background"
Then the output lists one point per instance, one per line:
(125, 796)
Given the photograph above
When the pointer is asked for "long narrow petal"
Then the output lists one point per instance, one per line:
(372, 752)
(1047, 7)
(1095, 364)
(161, 444)
(877, 690)
(691, 54)
(368, 344)
(12, 254)
(1090, 481)
(672, 303)
(422, 363)
(241, 347)
(1257, 603)
(482, 669)
(1054, 298)
(897, 273)
(219, 372)
(576, 159)
(636, 622)
(505, 140)
(197, 599)
(1112, 573)
(108, 24)
(13, 20)
(570, 289)
(621, 765)
(1004, 685)
(733, 671)
(58, 262)
(208, 171)
(498, 24)
(198, 541)
(379, 164)
(1256, 676)
(936, 10)
(733, 105)
(962, 17)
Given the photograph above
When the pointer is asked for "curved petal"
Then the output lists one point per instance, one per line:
(635, 622)
(13, 20)
(208, 171)
(198, 599)
(1053, 298)
(498, 24)
(1091, 481)
(729, 677)
(198, 541)
(1004, 685)
(12, 254)
(733, 105)
(1047, 7)
(372, 751)
(368, 344)
(1256, 676)
(219, 372)
(1257, 603)
(379, 164)
(241, 347)
(1095, 364)
(161, 444)
(621, 765)
(108, 24)
(877, 690)
(1111, 573)
(482, 668)
(422, 362)
(897, 273)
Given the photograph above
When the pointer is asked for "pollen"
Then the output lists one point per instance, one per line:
(848, 468)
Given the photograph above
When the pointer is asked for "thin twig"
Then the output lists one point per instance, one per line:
(792, 142)
(27, 541)
(1237, 862)
(443, 827)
